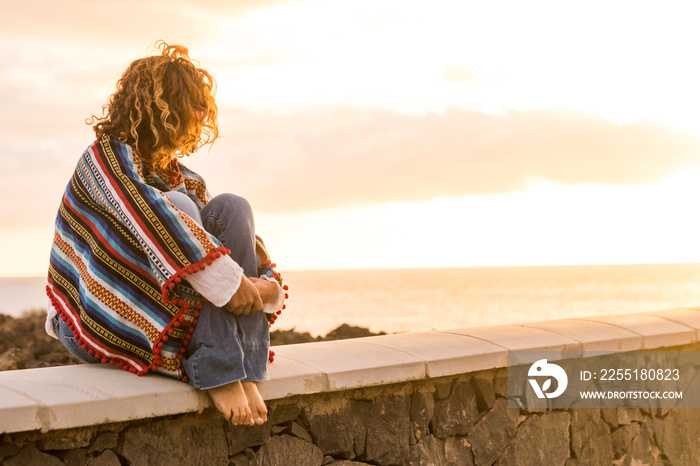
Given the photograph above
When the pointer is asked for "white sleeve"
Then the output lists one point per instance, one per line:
(219, 281)
(276, 304)
(50, 314)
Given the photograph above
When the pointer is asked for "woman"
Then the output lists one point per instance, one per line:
(147, 271)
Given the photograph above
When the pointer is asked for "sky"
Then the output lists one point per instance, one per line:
(387, 133)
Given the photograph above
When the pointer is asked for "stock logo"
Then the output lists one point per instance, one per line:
(542, 368)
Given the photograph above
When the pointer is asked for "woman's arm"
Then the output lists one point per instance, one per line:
(271, 293)
(246, 299)
(268, 289)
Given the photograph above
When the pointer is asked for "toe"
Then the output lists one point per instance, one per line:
(247, 417)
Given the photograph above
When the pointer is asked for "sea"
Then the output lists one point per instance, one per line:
(413, 300)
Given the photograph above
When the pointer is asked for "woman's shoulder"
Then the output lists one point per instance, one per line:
(110, 147)
(109, 154)
(189, 174)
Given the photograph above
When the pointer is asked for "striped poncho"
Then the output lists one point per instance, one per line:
(121, 256)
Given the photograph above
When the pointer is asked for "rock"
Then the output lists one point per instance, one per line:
(456, 414)
(591, 442)
(106, 458)
(422, 409)
(628, 415)
(67, 439)
(500, 383)
(75, 457)
(493, 432)
(347, 463)
(289, 337)
(443, 388)
(25, 343)
(189, 439)
(241, 437)
(345, 331)
(335, 428)
(485, 394)
(388, 430)
(298, 431)
(541, 440)
(429, 451)
(12, 359)
(281, 413)
(285, 448)
(678, 436)
(249, 453)
(8, 449)
(622, 439)
(276, 430)
(609, 415)
(103, 441)
(239, 460)
(458, 452)
(528, 399)
(245, 458)
(29, 455)
(641, 451)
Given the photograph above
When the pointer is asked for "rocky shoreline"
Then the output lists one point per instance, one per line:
(25, 345)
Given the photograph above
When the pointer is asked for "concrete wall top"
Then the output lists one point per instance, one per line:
(75, 396)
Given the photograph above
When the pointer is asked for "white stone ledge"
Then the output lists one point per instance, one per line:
(74, 396)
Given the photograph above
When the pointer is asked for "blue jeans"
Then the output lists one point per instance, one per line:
(224, 348)
(66, 337)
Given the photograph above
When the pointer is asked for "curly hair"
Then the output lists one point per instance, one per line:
(163, 107)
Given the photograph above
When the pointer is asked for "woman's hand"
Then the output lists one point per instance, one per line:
(266, 288)
(246, 299)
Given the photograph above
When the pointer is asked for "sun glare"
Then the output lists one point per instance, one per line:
(396, 55)
(623, 61)
(546, 224)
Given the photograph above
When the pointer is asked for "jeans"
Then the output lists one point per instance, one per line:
(225, 347)
(66, 337)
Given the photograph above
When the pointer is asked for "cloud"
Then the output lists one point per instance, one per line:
(344, 157)
(127, 24)
(453, 73)
(348, 157)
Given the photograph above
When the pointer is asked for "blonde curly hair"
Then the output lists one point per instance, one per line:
(163, 107)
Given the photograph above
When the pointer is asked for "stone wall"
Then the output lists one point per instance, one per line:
(460, 420)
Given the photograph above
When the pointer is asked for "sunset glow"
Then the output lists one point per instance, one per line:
(389, 133)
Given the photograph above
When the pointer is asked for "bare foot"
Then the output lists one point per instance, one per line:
(233, 403)
(255, 402)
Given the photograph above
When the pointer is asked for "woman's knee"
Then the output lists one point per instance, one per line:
(230, 219)
(183, 202)
(232, 204)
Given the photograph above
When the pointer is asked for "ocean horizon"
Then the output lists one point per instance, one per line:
(411, 300)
